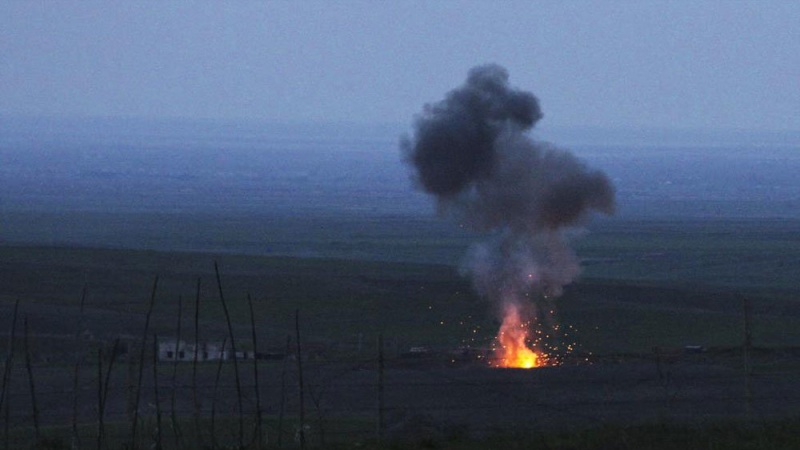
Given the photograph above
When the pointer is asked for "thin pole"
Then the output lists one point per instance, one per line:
(4, 401)
(173, 415)
(380, 423)
(746, 350)
(283, 390)
(32, 385)
(6, 421)
(135, 421)
(113, 357)
(259, 434)
(76, 373)
(214, 396)
(300, 380)
(9, 356)
(195, 402)
(100, 425)
(235, 362)
(157, 400)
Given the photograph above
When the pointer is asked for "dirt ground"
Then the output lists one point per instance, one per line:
(419, 397)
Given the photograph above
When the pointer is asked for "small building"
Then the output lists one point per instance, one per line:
(173, 350)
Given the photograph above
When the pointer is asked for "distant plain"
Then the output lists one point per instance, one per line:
(324, 221)
(329, 220)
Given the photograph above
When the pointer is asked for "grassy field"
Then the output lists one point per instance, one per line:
(743, 255)
(645, 284)
(725, 435)
(780, 435)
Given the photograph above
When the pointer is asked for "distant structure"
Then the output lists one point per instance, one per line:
(173, 350)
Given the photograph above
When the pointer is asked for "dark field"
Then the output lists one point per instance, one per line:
(400, 276)
(646, 284)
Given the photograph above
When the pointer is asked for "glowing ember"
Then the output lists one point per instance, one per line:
(513, 350)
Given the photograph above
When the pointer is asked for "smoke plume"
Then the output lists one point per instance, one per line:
(472, 153)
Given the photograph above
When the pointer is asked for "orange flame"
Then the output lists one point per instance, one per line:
(513, 350)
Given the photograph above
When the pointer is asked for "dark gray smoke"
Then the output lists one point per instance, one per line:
(471, 151)
(454, 145)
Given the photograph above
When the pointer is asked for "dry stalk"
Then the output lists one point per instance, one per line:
(143, 346)
(235, 359)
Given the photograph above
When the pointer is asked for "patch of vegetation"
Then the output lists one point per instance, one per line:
(729, 435)
(645, 284)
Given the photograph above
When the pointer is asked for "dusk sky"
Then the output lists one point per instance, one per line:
(621, 64)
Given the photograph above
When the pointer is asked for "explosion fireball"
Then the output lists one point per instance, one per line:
(513, 351)
(472, 153)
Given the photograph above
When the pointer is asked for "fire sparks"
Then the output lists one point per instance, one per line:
(530, 336)
(512, 340)
(472, 153)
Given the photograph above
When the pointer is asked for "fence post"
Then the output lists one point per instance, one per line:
(746, 352)
(137, 396)
(283, 390)
(302, 434)
(5, 401)
(76, 443)
(100, 424)
(9, 358)
(214, 396)
(259, 433)
(176, 430)
(235, 358)
(7, 419)
(380, 424)
(104, 394)
(157, 399)
(195, 401)
(131, 380)
(32, 385)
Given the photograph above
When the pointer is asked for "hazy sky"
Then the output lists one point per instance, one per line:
(675, 64)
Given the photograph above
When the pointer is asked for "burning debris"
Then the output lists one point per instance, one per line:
(471, 152)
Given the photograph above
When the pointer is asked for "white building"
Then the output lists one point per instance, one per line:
(172, 350)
